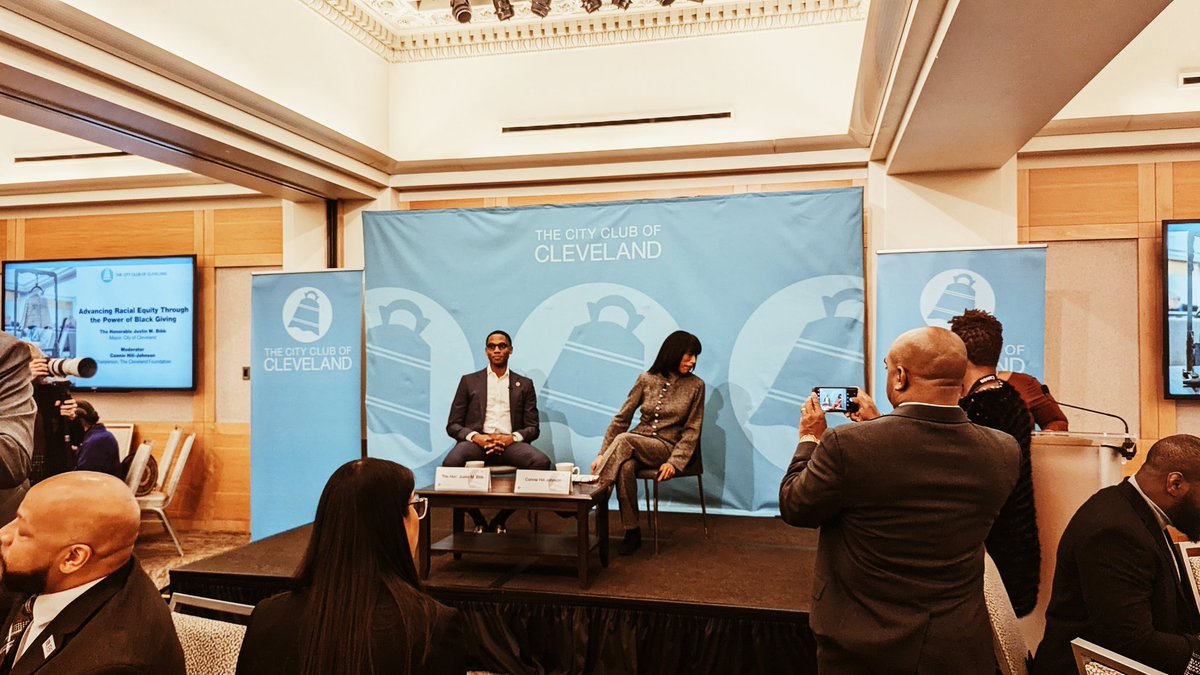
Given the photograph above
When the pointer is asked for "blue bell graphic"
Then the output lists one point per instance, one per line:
(307, 315)
(958, 297)
(398, 357)
(828, 353)
(598, 364)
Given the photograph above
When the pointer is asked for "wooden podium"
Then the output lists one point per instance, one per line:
(1068, 468)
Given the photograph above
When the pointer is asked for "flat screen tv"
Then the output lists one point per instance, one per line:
(1181, 308)
(134, 316)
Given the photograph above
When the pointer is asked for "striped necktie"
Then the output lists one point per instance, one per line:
(16, 629)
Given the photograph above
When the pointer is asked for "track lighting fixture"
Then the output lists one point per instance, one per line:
(461, 9)
(622, 4)
(590, 6)
(540, 7)
(504, 9)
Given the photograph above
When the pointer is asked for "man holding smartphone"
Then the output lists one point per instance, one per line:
(904, 502)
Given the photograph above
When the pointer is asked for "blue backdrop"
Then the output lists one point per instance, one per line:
(770, 283)
(928, 288)
(305, 388)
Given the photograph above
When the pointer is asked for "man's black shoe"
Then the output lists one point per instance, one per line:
(631, 542)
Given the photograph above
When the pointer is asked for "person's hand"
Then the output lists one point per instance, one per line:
(596, 465)
(866, 407)
(666, 472)
(67, 408)
(39, 368)
(503, 440)
(484, 441)
(812, 418)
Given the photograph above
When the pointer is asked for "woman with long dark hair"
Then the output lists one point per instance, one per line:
(672, 401)
(357, 606)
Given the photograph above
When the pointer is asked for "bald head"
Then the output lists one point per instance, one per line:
(74, 527)
(926, 365)
(1178, 453)
(1170, 477)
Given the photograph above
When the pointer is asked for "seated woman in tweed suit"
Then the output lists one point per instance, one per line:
(672, 401)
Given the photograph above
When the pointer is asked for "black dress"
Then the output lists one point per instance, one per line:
(1013, 541)
(272, 643)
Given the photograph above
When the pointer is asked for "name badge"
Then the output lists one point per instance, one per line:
(462, 479)
(48, 647)
(543, 482)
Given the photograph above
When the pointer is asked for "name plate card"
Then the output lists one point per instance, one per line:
(543, 482)
(462, 479)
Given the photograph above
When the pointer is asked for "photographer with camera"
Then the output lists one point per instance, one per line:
(54, 432)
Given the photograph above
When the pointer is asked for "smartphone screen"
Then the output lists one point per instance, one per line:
(837, 399)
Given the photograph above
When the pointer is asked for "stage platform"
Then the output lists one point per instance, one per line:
(737, 601)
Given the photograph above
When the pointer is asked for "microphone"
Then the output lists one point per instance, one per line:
(1128, 448)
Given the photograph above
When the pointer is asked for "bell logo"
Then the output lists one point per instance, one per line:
(106, 275)
(307, 314)
(952, 292)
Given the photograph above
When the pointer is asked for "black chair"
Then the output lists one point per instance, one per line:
(694, 469)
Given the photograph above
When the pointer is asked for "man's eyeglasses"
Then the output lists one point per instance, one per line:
(499, 345)
(421, 506)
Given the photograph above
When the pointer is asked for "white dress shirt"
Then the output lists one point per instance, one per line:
(497, 413)
(46, 608)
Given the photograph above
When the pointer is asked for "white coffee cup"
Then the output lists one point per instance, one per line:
(567, 467)
(475, 464)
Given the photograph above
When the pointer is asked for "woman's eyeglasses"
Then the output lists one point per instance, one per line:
(421, 506)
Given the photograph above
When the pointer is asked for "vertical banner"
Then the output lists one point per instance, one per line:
(772, 284)
(928, 288)
(305, 391)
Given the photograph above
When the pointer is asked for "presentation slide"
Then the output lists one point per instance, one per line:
(133, 316)
(1181, 284)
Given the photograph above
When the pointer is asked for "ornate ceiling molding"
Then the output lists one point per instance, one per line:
(360, 24)
(400, 32)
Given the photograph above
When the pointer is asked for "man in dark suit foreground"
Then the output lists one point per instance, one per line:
(904, 503)
(494, 418)
(77, 601)
(1116, 581)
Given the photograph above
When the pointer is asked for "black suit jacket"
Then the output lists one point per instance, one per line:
(1115, 585)
(470, 404)
(120, 625)
(271, 645)
(904, 503)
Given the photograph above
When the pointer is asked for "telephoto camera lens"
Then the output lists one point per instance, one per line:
(540, 7)
(83, 367)
(461, 10)
(504, 9)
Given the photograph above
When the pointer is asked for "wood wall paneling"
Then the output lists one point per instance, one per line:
(109, 235)
(247, 237)
(214, 492)
(1186, 189)
(1083, 196)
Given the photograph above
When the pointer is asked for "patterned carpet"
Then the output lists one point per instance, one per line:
(158, 556)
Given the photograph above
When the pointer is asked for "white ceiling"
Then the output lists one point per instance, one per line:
(1141, 80)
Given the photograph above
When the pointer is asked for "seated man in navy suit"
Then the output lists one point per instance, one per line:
(494, 418)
